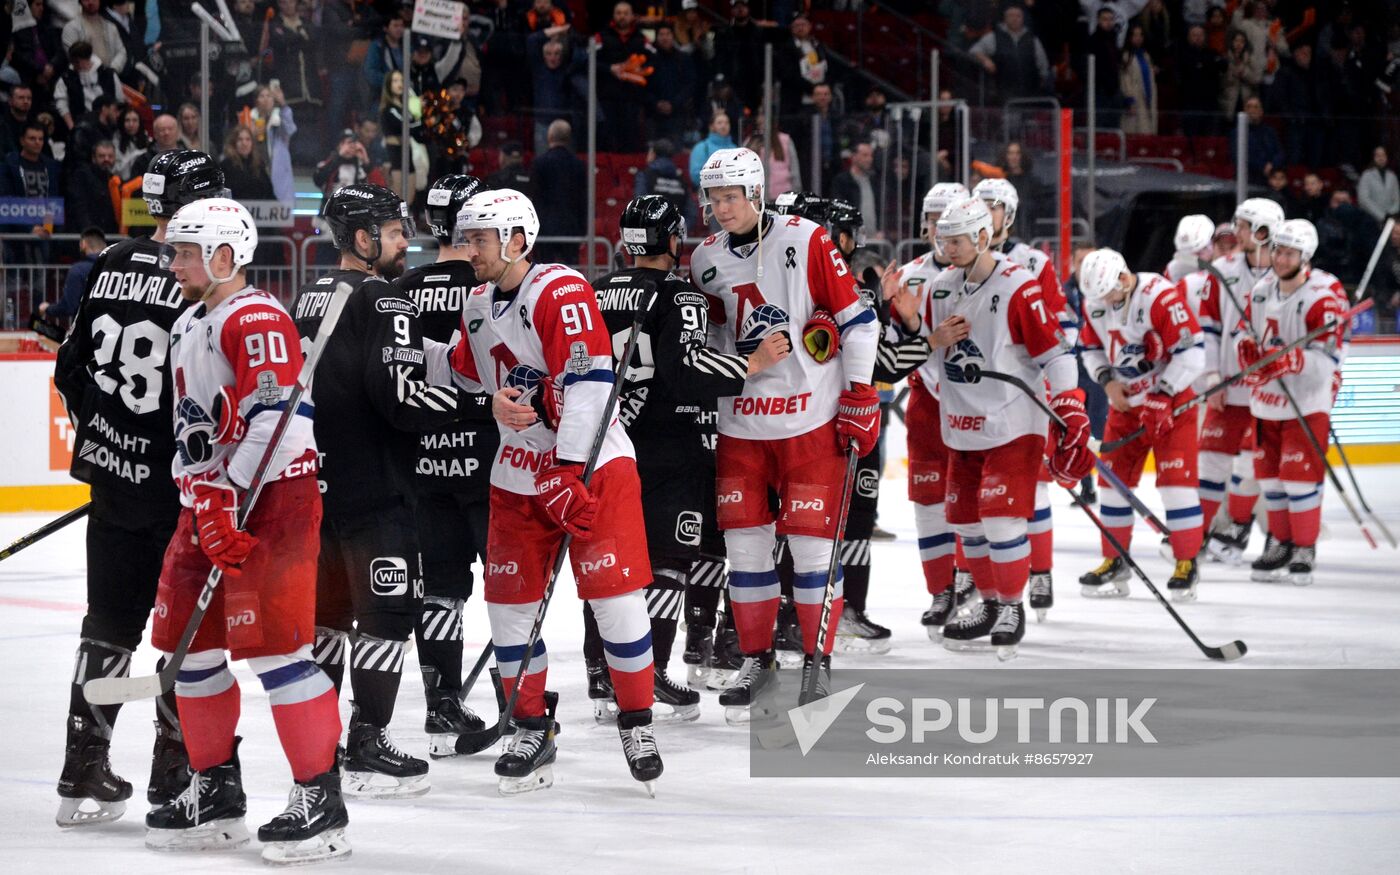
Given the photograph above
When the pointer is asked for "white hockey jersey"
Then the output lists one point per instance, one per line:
(1279, 319)
(234, 367)
(1042, 268)
(1113, 338)
(802, 272)
(1220, 320)
(549, 337)
(1013, 331)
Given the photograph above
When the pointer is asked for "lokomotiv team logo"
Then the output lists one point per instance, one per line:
(963, 362)
(762, 321)
(194, 430)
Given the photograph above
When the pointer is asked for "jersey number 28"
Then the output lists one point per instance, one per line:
(136, 353)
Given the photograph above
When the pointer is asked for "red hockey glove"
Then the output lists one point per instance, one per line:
(567, 500)
(215, 515)
(821, 337)
(1290, 362)
(1247, 353)
(548, 403)
(1153, 348)
(1071, 461)
(1156, 415)
(858, 418)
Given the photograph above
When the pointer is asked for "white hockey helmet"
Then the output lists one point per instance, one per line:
(1297, 234)
(1193, 234)
(942, 194)
(969, 217)
(1261, 214)
(502, 209)
(1100, 274)
(209, 224)
(728, 167)
(999, 191)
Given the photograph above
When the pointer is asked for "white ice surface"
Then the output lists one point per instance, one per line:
(709, 815)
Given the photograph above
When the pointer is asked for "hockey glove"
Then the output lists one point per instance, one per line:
(548, 403)
(1071, 460)
(821, 337)
(566, 499)
(1290, 362)
(1247, 353)
(858, 418)
(215, 516)
(1153, 348)
(1157, 415)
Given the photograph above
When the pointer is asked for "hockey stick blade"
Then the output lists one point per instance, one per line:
(118, 691)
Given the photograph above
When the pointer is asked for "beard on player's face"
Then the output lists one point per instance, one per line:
(392, 266)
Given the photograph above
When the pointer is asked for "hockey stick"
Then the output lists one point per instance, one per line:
(1297, 412)
(1375, 258)
(45, 530)
(474, 673)
(479, 740)
(1235, 378)
(829, 596)
(116, 690)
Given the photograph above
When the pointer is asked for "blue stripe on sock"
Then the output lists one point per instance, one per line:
(1114, 510)
(287, 674)
(1178, 513)
(629, 649)
(516, 652)
(935, 540)
(194, 676)
(752, 578)
(1010, 545)
(974, 542)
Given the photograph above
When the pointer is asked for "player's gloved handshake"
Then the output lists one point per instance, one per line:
(216, 518)
(1156, 416)
(1071, 460)
(858, 418)
(1249, 354)
(566, 499)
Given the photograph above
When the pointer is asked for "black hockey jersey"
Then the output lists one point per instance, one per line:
(371, 390)
(456, 458)
(898, 354)
(113, 373)
(673, 377)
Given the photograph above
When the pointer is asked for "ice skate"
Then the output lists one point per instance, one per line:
(170, 766)
(91, 793)
(856, 633)
(1009, 629)
(681, 704)
(1182, 584)
(756, 675)
(1273, 563)
(639, 746)
(965, 594)
(937, 615)
(964, 632)
(1228, 546)
(1108, 581)
(446, 719)
(823, 687)
(528, 760)
(1300, 567)
(207, 816)
(787, 637)
(600, 692)
(375, 767)
(312, 827)
(1042, 594)
(727, 662)
(699, 646)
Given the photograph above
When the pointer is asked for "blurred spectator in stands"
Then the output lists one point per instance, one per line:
(245, 167)
(348, 164)
(18, 113)
(28, 172)
(564, 212)
(188, 117)
(1194, 11)
(623, 63)
(297, 71)
(671, 88)
(717, 139)
(435, 62)
(1345, 236)
(391, 121)
(90, 245)
(367, 133)
(949, 138)
(513, 172)
(799, 63)
(273, 125)
(131, 141)
(98, 125)
(1344, 102)
(782, 158)
(872, 124)
(1378, 190)
(1385, 284)
(78, 87)
(1139, 84)
(385, 54)
(550, 70)
(1014, 57)
(545, 15)
(826, 162)
(739, 52)
(1118, 14)
(1108, 58)
(1277, 191)
(1252, 18)
(501, 45)
(1312, 204)
(1265, 150)
(165, 137)
(1294, 97)
(89, 191)
(899, 200)
(345, 37)
(858, 184)
(1218, 31)
(1158, 29)
(1241, 76)
(95, 29)
(1224, 240)
(1198, 84)
(38, 54)
(696, 37)
(1037, 201)
(131, 29)
(661, 176)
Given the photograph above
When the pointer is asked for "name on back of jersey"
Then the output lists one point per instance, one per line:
(156, 290)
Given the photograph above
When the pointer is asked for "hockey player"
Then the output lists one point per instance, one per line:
(996, 435)
(1143, 344)
(1286, 305)
(534, 331)
(1227, 433)
(114, 377)
(372, 399)
(450, 503)
(792, 425)
(236, 356)
(1002, 200)
(671, 376)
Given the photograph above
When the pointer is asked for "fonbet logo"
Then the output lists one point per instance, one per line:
(388, 576)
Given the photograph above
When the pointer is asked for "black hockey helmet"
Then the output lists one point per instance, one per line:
(363, 205)
(648, 223)
(843, 216)
(180, 177)
(804, 204)
(445, 199)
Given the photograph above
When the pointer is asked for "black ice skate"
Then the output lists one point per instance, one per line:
(1042, 592)
(962, 633)
(699, 645)
(787, 637)
(1229, 545)
(755, 676)
(1273, 563)
(312, 828)
(600, 692)
(1182, 584)
(446, 719)
(527, 763)
(639, 746)
(1108, 581)
(1009, 629)
(937, 615)
(682, 703)
(1300, 567)
(856, 633)
(823, 688)
(375, 767)
(90, 792)
(170, 766)
(728, 660)
(965, 593)
(208, 815)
